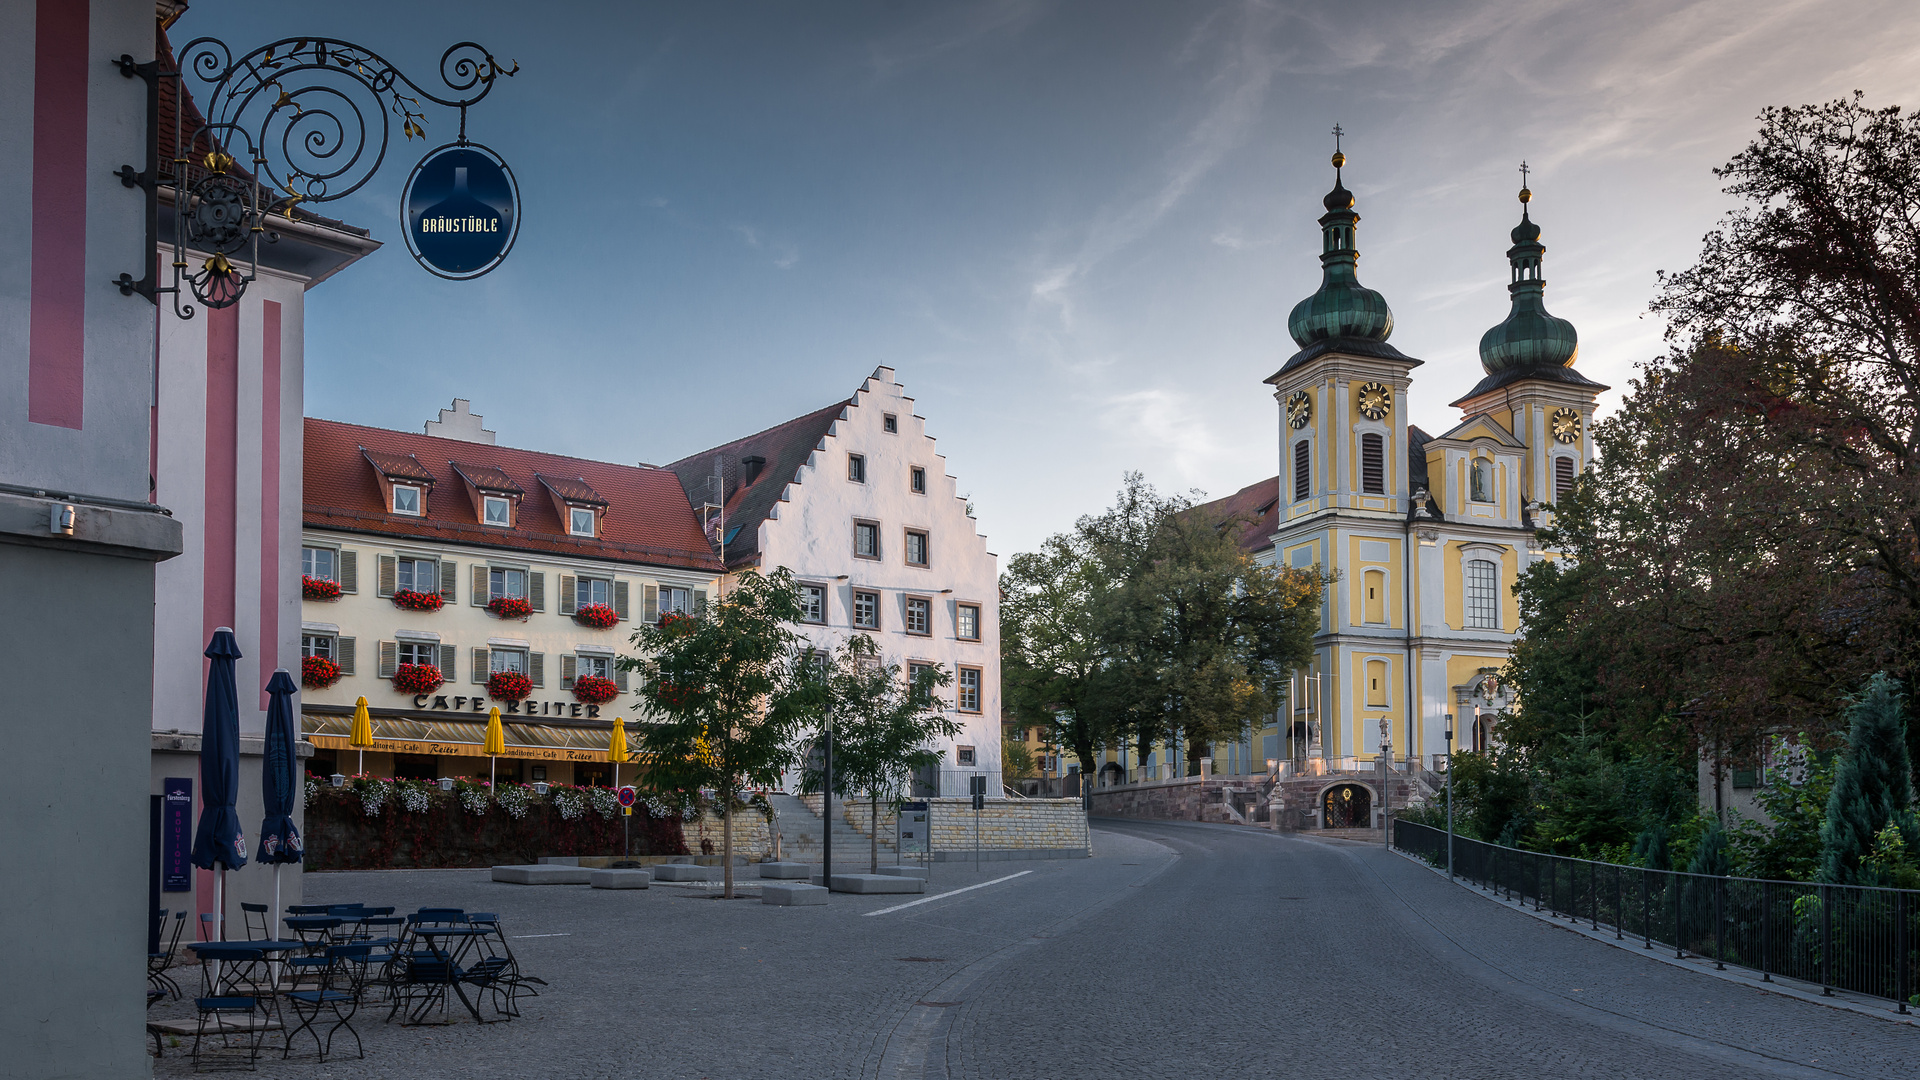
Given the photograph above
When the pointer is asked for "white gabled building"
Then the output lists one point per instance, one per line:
(855, 499)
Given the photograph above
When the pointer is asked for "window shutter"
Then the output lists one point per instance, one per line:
(699, 601)
(1302, 470)
(567, 666)
(389, 570)
(480, 665)
(482, 585)
(448, 655)
(349, 571)
(343, 655)
(537, 592)
(619, 675)
(537, 668)
(389, 657)
(567, 594)
(652, 602)
(1372, 465)
(447, 575)
(620, 599)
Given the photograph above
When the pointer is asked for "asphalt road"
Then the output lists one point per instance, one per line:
(1180, 949)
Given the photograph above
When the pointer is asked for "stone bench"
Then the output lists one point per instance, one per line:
(547, 874)
(686, 872)
(620, 879)
(797, 870)
(792, 894)
(877, 883)
(905, 871)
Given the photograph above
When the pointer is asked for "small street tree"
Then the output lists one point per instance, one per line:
(1873, 786)
(881, 723)
(719, 695)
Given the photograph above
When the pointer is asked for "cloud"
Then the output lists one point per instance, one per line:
(1169, 428)
(781, 253)
(950, 29)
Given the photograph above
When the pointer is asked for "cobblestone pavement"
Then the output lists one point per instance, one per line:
(1179, 949)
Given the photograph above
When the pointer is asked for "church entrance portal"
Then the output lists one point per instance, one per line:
(1348, 806)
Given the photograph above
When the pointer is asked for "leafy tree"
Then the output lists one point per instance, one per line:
(1016, 761)
(720, 698)
(1786, 845)
(1050, 649)
(881, 725)
(1873, 785)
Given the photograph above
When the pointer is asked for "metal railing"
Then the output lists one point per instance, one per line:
(1841, 937)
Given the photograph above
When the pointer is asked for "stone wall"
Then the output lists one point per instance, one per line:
(1057, 827)
(1186, 799)
(1241, 800)
(751, 836)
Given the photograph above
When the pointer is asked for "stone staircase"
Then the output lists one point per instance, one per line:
(799, 829)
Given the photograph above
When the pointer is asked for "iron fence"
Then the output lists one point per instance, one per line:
(1842, 937)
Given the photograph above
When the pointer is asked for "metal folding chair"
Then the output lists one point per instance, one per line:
(237, 1001)
(339, 991)
(498, 969)
(158, 962)
(256, 920)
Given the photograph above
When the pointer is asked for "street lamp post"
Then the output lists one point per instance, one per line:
(1386, 779)
(1449, 796)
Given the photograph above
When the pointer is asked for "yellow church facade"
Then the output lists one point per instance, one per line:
(1421, 538)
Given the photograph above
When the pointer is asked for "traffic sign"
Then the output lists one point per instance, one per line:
(627, 796)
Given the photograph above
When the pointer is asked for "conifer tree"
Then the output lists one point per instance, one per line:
(1872, 786)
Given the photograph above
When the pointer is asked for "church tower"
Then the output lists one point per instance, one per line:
(1344, 495)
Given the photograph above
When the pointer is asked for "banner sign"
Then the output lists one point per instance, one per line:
(460, 211)
(176, 835)
(913, 833)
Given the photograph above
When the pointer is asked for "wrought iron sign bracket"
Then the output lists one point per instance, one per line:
(149, 181)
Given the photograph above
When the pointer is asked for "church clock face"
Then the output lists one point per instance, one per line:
(1299, 409)
(1375, 400)
(1566, 425)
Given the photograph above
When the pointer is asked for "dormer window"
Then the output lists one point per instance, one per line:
(406, 500)
(580, 521)
(496, 511)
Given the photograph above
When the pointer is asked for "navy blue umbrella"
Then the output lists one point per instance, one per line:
(279, 777)
(218, 842)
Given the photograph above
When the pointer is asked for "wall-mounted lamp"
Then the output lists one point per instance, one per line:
(61, 519)
(540, 787)
(840, 577)
(446, 783)
(337, 780)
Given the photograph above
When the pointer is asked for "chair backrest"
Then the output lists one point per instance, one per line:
(206, 926)
(173, 944)
(256, 917)
(441, 911)
(307, 909)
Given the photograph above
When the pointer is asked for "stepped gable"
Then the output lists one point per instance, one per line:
(783, 450)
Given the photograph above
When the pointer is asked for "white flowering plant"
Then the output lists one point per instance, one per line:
(515, 799)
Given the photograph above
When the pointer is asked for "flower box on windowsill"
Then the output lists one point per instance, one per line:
(510, 607)
(598, 616)
(417, 678)
(509, 686)
(418, 601)
(314, 588)
(594, 690)
(318, 672)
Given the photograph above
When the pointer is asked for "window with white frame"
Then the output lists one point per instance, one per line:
(419, 652)
(592, 591)
(319, 563)
(321, 645)
(598, 665)
(406, 499)
(866, 610)
(966, 621)
(514, 660)
(675, 601)
(416, 575)
(495, 510)
(968, 682)
(505, 581)
(813, 603)
(1483, 594)
(580, 521)
(919, 615)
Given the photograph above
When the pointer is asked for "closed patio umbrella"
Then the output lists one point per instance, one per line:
(362, 734)
(218, 843)
(496, 744)
(279, 777)
(617, 748)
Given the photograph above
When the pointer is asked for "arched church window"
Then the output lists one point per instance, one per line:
(1483, 595)
(1302, 470)
(1480, 486)
(1373, 464)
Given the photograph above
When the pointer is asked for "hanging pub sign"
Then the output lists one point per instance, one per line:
(461, 210)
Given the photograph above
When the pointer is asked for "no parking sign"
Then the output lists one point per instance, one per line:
(627, 797)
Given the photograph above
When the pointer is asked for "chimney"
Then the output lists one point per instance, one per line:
(750, 469)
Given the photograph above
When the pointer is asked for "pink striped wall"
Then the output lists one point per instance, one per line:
(219, 557)
(56, 349)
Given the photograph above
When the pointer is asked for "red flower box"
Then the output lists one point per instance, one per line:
(315, 588)
(417, 678)
(598, 616)
(509, 686)
(318, 672)
(594, 690)
(676, 620)
(510, 607)
(418, 601)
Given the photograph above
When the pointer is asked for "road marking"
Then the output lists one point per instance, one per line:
(944, 895)
(522, 937)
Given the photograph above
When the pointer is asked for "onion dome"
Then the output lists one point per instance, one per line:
(1529, 339)
(1342, 308)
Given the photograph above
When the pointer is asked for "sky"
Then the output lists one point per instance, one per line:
(1074, 229)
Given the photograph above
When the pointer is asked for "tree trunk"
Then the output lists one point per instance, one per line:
(726, 845)
(873, 831)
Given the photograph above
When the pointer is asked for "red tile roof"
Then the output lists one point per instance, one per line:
(784, 448)
(399, 466)
(1258, 507)
(488, 478)
(572, 489)
(648, 520)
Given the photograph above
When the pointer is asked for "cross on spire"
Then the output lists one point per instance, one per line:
(1523, 174)
(1337, 132)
